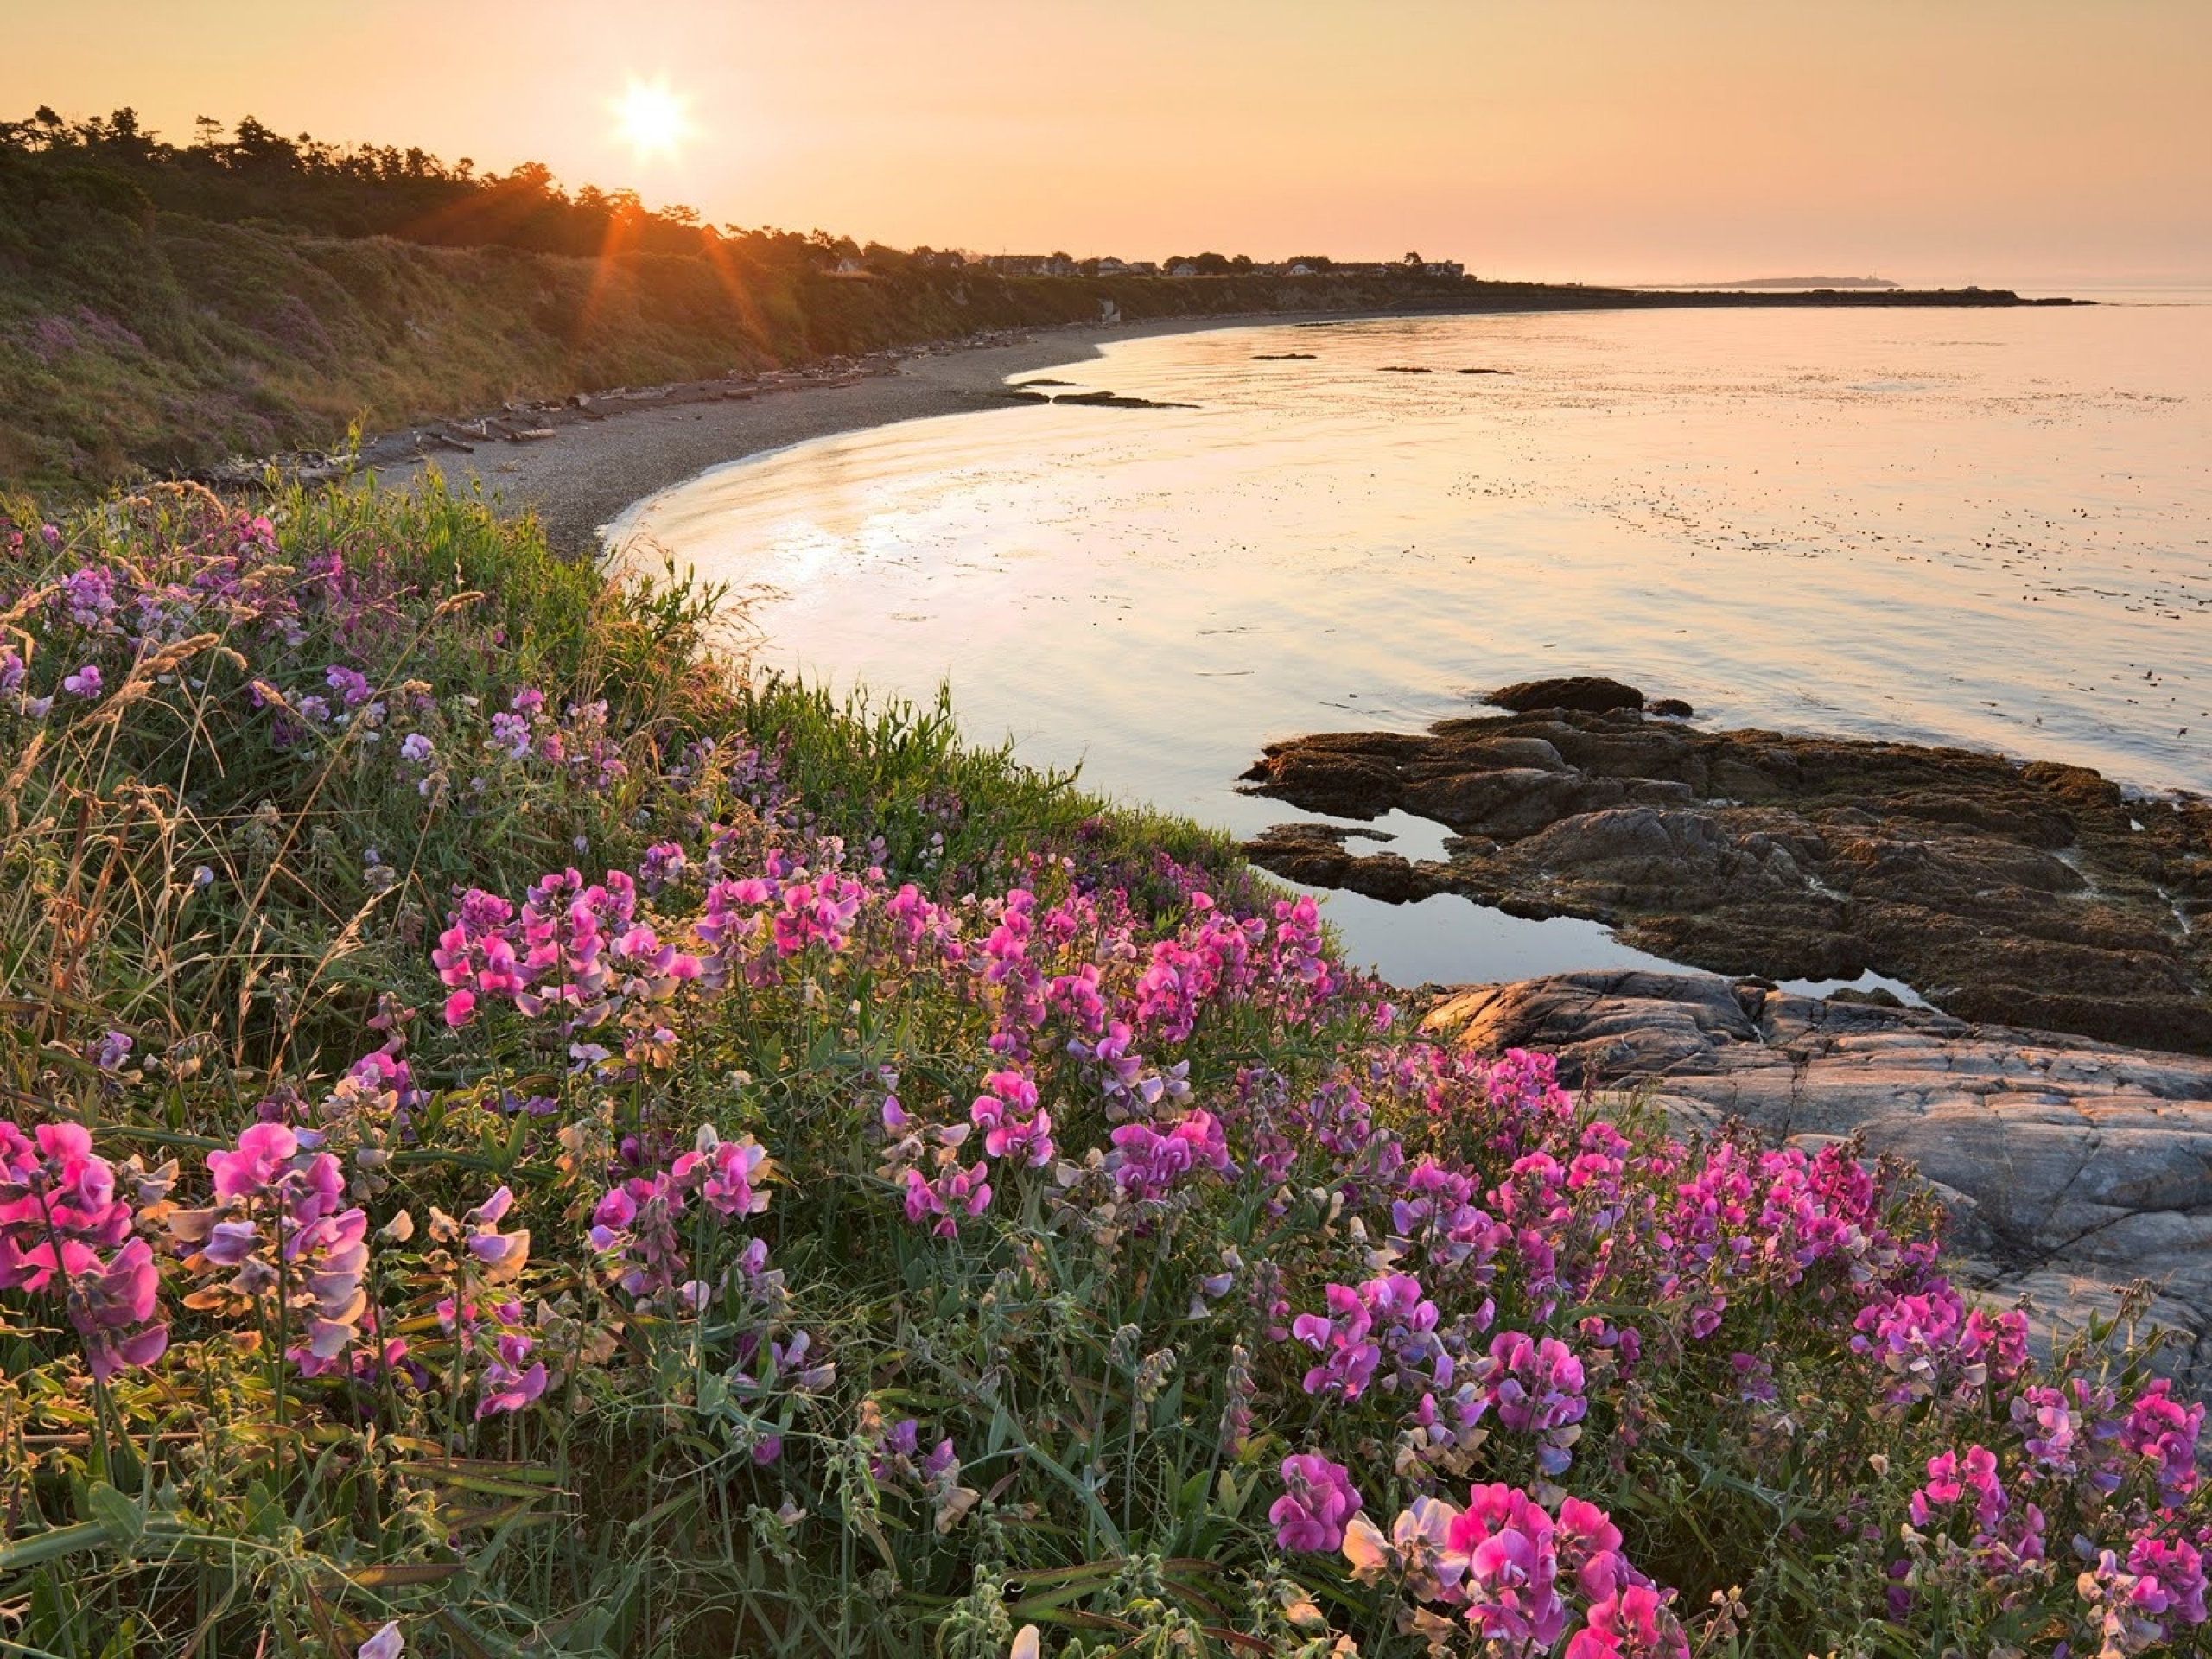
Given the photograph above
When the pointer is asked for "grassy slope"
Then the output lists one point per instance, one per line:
(135, 341)
(186, 860)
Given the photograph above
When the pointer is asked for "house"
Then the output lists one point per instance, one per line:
(1450, 268)
(1183, 268)
(1300, 270)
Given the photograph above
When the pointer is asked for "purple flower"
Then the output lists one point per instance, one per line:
(1317, 1499)
(84, 682)
(350, 685)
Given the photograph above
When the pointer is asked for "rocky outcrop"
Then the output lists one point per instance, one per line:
(2068, 1168)
(1588, 693)
(2035, 894)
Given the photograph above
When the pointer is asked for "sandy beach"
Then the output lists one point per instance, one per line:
(581, 479)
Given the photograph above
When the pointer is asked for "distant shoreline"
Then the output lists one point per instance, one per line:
(589, 461)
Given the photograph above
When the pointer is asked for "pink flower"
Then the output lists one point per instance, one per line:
(724, 1172)
(1013, 1124)
(2163, 1432)
(264, 1149)
(955, 1192)
(1511, 1581)
(1348, 1359)
(1636, 1621)
(84, 682)
(1317, 1499)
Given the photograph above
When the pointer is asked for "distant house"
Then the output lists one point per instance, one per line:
(850, 266)
(1299, 270)
(1450, 268)
(1183, 268)
(1144, 267)
(1110, 266)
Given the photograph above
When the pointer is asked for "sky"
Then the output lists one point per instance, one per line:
(2030, 143)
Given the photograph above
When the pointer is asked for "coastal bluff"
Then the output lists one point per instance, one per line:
(2068, 1168)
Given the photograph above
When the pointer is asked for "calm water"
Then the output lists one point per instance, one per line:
(1985, 528)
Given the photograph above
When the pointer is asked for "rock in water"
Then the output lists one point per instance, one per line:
(1586, 694)
(2036, 894)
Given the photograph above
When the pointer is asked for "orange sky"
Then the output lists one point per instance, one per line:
(2028, 141)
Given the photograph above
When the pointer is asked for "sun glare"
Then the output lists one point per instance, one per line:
(651, 119)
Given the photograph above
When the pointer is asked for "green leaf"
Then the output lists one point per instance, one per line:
(51, 1546)
(119, 1516)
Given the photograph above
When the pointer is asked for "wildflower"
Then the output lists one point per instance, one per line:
(1147, 1164)
(954, 1193)
(58, 1211)
(662, 864)
(415, 747)
(1415, 1551)
(1317, 1499)
(510, 734)
(2163, 1432)
(84, 682)
(1013, 1125)
(1634, 1620)
(387, 1643)
(725, 1170)
(1348, 1359)
(1507, 1547)
(1538, 1390)
(351, 684)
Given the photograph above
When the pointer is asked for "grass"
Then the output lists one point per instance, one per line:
(654, 1306)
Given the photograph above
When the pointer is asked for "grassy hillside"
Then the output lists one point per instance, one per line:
(136, 339)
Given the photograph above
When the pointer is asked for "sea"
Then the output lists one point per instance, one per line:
(1990, 527)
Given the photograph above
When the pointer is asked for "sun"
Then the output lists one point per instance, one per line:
(653, 120)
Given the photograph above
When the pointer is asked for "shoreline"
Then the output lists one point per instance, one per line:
(584, 464)
(587, 475)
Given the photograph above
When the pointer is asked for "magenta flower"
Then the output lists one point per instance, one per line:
(955, 1192)
(1348, 1359)
(1013, 1125)
(1317, 1499)
(2163, 1432)
(1537, 1389)
(724, 1172)
(84, 683)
